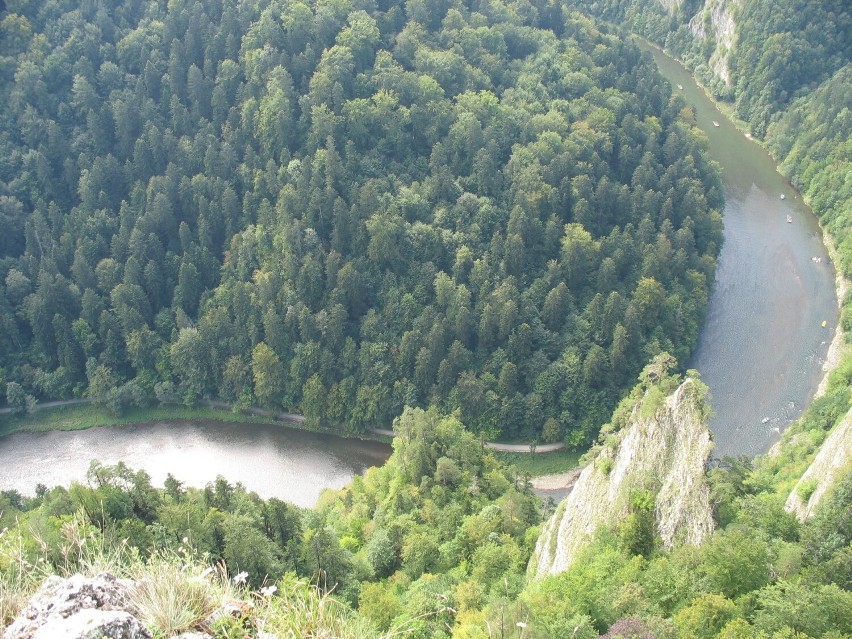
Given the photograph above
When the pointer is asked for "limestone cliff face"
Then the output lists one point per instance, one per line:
(662, 449)
(715, 21)
(833, 460)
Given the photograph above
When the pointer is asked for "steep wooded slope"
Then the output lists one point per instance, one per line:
(344, 209)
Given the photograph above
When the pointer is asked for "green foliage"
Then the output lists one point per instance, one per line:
(637, 531)
(442, 512)
(17, 399)
(735, 562)
(704, 617)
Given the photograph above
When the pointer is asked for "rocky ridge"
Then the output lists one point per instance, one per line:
(833, 460)
(663, 449)
(79, 608)
(716, 21)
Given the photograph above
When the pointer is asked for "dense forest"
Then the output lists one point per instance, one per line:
(344, 208)
(436, 542)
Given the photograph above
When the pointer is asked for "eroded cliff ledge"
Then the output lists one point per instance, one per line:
(833, 460)
(662, 447)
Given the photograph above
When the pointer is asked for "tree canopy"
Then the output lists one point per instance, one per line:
(345, 208)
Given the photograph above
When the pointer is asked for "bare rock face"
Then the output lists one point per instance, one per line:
(663, 449)
(831, 462)
(716, 21)
(79, 608)
(670, 5)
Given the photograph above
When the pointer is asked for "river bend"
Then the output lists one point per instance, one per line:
(760, 352)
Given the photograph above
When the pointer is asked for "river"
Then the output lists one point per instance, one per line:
(763, 344)
(273, 461)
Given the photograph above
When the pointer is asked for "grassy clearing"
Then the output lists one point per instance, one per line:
(539, 464)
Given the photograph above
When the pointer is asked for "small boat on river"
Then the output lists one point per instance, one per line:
(715, 123)
(789, 219)
(680, 86)
(783, 196)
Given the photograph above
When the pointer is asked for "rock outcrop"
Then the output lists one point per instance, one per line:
(663, 448)
(831, 462)
(715, 21)
(670, 5)
(79, 608)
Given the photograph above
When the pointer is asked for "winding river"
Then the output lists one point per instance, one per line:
(761, 354)
(763, 344)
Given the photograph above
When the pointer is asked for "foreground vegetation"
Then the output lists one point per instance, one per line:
(436, 544)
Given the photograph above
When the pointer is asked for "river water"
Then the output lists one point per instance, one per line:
(763, 345)
(273, 461)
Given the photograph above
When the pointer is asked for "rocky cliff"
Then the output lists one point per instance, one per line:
(79, 608)
(663, 448)
(833, 460)
(715, 21)
(714, 26)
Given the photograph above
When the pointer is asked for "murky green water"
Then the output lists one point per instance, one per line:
(273, 461)
(763, 346)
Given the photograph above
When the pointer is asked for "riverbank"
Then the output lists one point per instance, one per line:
(839, 349)
(78, 416)
(73, 416)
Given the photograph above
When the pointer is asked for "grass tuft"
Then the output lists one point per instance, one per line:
(302, 611)
(173, 594)
(19, 577)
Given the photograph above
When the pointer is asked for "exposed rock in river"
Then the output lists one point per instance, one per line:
(663, 448)
(832, 461)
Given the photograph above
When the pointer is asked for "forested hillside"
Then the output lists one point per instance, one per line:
(343, 208)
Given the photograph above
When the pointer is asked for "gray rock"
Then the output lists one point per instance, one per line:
(78, 607)
(92, 623)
